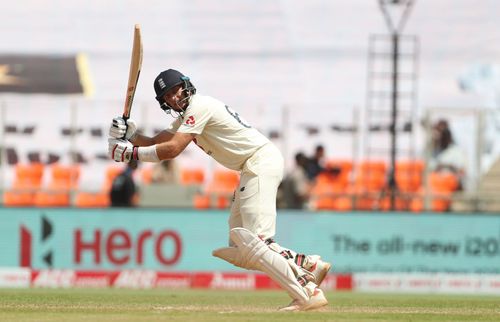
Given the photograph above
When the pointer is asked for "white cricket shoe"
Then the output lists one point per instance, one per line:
(316, 301)
(318, 268)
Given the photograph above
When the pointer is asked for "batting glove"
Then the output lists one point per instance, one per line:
(121, 150)
(121, 129)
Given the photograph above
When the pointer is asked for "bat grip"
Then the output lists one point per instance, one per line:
(125, 118)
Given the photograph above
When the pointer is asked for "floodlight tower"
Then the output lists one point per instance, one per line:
(403, 8)
(391, 89)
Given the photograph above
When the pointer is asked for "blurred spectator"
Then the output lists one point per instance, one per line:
(437, 130)
(165, 172)
(315, 163)
(446, 155)
(296, 186)
(123, 189)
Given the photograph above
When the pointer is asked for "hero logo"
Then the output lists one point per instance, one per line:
(120, 248)
(26, 241)
(116, 246)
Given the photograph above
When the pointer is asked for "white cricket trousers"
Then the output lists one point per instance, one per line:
(254, 206)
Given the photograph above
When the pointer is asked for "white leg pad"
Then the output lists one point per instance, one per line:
(259, 255)
(233, 255)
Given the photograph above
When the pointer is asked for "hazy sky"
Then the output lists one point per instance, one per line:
(306, 50)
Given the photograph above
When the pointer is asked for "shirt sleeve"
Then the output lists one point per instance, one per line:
(172, 128)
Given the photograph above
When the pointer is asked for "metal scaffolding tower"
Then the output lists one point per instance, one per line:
(391, 91)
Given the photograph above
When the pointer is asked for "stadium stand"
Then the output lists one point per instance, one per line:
(99, 199)
(331, 188)
(28, 179)
(369, 183)
(63, 181)
(441, 187)
(219, 190)
(344, 186)
(92, 199)
(201, 201)
(146, 175)
(191, 176)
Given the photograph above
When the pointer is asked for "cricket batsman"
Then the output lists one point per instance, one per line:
(225, 136)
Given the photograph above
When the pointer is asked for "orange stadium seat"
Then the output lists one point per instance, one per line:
(371, 175)
(27, 180)
(57, 194)
(441, 186)
(147, 175)
(64, 176)
(369, 185)
(368, 166)
(409, 175)
(101, 198)
(409, 183)
(223, 202)
(229, 177)
(201, 201)
(417, 204)
(191, 176)
(344, 203)
(443, 182)
(324, 203)
(344, 166)
(221, 188)
(410, 166)
(52, 199)
(409, 178)
(65, 172)
(92, 200)
(18, 199)
(30, 173)
(328, 192)
(224, 182)
(400, 203)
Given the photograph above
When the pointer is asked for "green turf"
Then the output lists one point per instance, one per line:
(188, 305)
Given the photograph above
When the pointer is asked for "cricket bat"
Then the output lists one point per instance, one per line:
(135, 70)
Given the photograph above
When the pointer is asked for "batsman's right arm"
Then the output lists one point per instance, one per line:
(143, 140)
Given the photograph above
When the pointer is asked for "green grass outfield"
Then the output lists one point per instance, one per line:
(198, 305)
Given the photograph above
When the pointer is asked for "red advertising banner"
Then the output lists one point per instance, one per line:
(145, 279)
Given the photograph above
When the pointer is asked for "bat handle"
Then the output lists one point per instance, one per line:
(125, 118)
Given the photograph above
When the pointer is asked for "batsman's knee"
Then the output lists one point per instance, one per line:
(233, 256)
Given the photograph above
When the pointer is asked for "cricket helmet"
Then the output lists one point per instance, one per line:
(169, 79)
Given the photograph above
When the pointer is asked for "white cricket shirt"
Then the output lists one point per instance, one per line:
(220, 131)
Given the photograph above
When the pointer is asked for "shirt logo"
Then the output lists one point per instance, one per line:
(190, 121)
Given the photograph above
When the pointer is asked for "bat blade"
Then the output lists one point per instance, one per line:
(134, 72)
